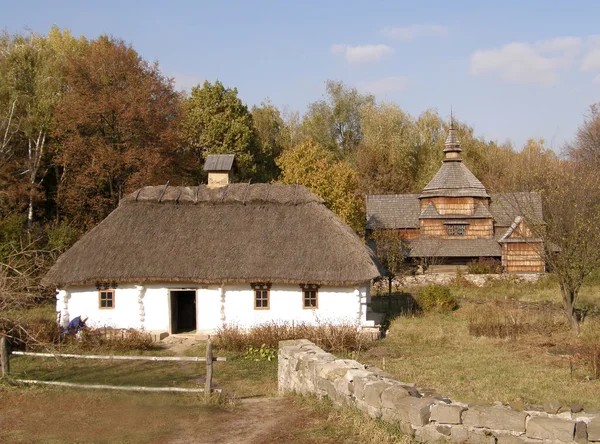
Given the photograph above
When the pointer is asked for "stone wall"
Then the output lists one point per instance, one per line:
(422, 414)
(478, 280)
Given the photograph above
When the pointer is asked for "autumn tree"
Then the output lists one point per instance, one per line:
(217, 122)
(571, 202)
(336, 121)
(116, 128)
(392, 251)
(333, 180)
(386, 159)
(586, 148)
(31, 84)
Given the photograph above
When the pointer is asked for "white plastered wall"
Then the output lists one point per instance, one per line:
(147, 306)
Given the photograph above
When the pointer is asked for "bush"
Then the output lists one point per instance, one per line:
(508, 321)
(111, 339)
(436, 298)
(590, 346)
(330, 337)
(484, 266)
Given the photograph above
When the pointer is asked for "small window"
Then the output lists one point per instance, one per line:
(310, 296)
(107, 299)
(261, 296)
(457, 230)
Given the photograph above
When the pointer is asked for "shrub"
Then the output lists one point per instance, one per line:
(484, 266)
(508, 321)
(329, 336)
(436, 298)
(590, 346)
(111, 339)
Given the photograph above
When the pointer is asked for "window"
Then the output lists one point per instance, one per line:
(457, 230)
(310, 296)
(107, 298)
(261, 296)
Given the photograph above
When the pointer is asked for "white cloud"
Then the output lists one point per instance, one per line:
(362, 53)
(185, 82)
(591, 61)
(522, 62)
(596, 80)
(411, 32)
(386, 85)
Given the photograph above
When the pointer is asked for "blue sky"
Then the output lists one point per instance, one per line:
(511, 69)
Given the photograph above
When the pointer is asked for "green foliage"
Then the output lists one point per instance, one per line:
(484, 265)
(61, 236)
(436, 298)
(261, 354)
(336, 122)
(333, 180)
(217, 122)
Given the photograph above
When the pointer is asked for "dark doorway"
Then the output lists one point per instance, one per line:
(183, 311)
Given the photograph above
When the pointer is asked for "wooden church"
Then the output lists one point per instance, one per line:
(455, 220)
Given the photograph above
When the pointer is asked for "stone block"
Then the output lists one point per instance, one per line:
(480, 437)
(294, 342)
(593, 430)
(354, 373)
(553, 406)
(343, 387)
(158, 335)
(576, 408)
(429, 433)
(497, 418)
(581, 435)
(459, 434)
(373, 391)
(445, 430)
(509, 439)
(414, 410)
(359, 385)
(446, 414)
(553, 429)
(391, 395)
(373, 412)
(407, 429)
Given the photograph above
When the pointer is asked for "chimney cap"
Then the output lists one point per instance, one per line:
(219, 162)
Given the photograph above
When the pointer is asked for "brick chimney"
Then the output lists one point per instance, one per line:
(220, 169)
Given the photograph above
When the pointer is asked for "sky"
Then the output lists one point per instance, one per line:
(513, 70)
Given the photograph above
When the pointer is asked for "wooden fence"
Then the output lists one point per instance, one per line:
(5, 354)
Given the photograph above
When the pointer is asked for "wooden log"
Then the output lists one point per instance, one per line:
(4, 357)
(209, 369)
(118, 358)
(113, 387)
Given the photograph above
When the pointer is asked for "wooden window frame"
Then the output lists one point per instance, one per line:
(456, 230)
(310, 288)
(112, 299)
(261, 287)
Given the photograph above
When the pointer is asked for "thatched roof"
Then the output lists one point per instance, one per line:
(236, 234)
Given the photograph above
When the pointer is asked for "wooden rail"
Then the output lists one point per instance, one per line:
(5, 354)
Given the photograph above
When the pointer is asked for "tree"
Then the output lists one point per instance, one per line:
(586, 148)
(271, 132)
(336, 122)
(217, 122)
(392, 251)
(387, 156)
(116, 126)
(333, 180)
(31, 82)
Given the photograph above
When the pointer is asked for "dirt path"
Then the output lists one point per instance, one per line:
(256, 421)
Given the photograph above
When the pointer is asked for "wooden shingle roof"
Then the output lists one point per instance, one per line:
(429, 247)
(454, 179)
(393, 211)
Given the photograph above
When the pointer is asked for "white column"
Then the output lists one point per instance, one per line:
(62, 305)
(223, 315)
(141, 291)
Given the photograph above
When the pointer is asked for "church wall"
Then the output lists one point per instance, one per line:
(476, 229)
(454, 205)
(522, 257)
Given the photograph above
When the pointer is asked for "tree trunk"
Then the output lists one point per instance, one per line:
(568, 296)
(390, 279)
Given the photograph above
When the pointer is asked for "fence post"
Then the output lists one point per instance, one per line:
(209, 369)
(4, 357)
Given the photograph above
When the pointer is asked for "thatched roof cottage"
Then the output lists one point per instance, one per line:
(455, 220)
(194, 258)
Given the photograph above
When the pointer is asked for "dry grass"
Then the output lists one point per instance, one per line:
(330, 337)
(436, 350)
